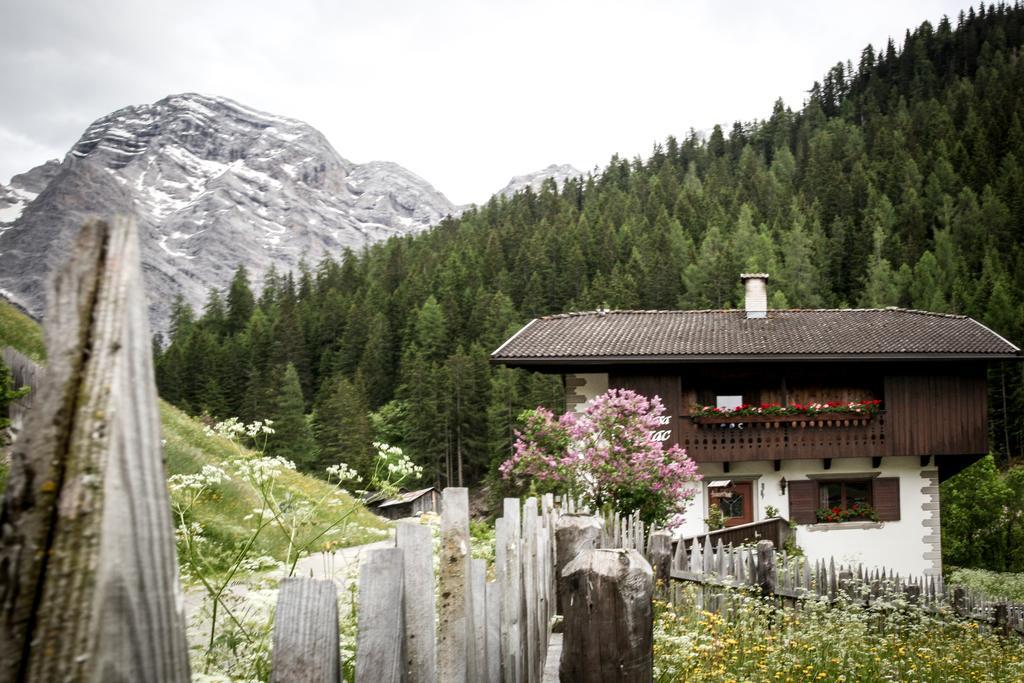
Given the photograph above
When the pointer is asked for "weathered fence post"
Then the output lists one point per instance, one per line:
(89, 581)
(306, 632)
(512, 594)
(477, 636)
(24, 373)
(574, 533)
(609, 618)
(959, 600)
(420, 612)
(533, 664)
(455, 608)
(1001, 618)
(661, 557)
(766, 567)
(493, 597)
(380, 645)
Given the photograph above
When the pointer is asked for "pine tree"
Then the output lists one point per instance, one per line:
(880, 286)
(341, 426)
(799, 276)
(377, 362)
(240, 302)
(292, 437)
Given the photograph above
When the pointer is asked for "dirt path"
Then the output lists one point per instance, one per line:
(341, 566)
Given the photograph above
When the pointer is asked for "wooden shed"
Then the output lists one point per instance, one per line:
(411, 504)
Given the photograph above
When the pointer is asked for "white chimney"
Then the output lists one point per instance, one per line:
(755, 286)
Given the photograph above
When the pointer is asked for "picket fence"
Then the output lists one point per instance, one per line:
(791, 579)
(473, 628)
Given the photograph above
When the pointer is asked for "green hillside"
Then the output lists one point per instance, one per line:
(223, 515)
(188, 448)
(19, 331)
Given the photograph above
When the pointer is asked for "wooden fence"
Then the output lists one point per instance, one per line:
(775, 529)
(24, 373)
(482, 629)
(793, 579)
(88, 571)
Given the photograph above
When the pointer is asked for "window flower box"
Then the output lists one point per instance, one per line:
(795, 414)
(858, 512)
(824, 419)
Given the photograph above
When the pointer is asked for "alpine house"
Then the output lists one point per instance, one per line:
(842, 421)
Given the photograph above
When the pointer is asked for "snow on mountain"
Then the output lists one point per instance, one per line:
(23, 189)
(212, 184)
(558, 172)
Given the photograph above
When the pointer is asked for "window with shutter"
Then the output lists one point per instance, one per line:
(842, 498)
(803, 501)
(886, 494)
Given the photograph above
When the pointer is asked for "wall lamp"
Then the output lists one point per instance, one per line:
(782, 486)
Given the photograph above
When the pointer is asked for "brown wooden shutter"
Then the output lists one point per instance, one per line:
(885, 498)
(803, 501)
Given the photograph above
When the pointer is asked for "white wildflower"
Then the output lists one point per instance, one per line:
(260, 471)
(342, 473)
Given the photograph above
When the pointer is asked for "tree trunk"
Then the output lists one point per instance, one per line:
(1006, 414)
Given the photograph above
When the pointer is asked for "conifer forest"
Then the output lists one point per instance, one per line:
(899, 183)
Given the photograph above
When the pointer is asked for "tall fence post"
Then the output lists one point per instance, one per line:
(420, 612)
(609, 619)
(455, 608)
(306, 632)
(477, 636)
(380, 645)
(530, 585)
(574, 533)
(493, 598)
(512, 596)
(88, 568)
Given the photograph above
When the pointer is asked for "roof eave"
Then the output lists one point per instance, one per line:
(539, 361)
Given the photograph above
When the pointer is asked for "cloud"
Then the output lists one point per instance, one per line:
(465, 94)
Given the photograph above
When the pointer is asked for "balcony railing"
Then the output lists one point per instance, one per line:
(764, 437)
(775, 529)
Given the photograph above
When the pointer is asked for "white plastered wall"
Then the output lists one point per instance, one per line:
(909, 545)
(581, 388)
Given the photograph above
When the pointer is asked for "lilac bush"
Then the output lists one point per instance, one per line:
(607, 457)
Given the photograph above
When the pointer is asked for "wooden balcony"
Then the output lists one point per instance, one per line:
(775, 529)
(717, 439)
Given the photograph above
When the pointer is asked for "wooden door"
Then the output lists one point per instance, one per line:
(736, 503)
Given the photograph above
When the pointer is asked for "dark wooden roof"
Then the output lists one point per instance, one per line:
(652, 336)
(406, 497)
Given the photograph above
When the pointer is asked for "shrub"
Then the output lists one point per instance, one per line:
(606, 457)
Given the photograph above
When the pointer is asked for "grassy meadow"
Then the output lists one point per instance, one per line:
(19, 331)
(753, 641)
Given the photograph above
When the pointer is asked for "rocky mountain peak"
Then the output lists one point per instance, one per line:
(23, 189)
(558, 172)
(213, 184)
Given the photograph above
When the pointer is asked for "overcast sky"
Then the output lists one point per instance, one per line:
(465, 94)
